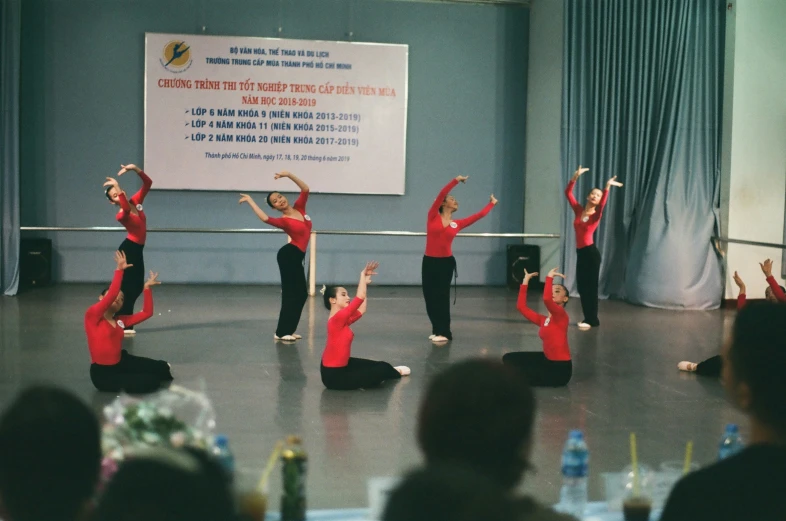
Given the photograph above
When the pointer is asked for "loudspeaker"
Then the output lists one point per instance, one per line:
(521, 257)
(35, 262)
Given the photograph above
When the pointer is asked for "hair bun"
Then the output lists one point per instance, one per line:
(322, 291)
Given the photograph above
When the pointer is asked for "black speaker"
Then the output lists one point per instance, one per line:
(35, 262)
(521, 257)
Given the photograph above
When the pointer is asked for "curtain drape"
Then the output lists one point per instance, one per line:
(10, 38)
(642, 95)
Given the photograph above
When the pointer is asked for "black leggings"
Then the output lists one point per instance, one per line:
(710, 367)
(293, 288)
(436, 274)
(357, 374)
(587, 273)
(133, 276)
(539, 370)
(132, 374)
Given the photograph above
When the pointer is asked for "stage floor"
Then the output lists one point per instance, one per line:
(625, 376)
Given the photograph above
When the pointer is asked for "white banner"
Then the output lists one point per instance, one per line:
(226, 113)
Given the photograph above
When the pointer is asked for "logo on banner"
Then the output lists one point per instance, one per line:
(176, 56)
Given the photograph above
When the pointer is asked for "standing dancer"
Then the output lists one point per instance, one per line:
(132, 217)
(588, 255)
(439, 265)
(112, 368)
(774, 293)
(297, 224)
(551, 367)
(340, 371)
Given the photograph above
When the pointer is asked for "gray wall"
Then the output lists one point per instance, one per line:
(82, 111)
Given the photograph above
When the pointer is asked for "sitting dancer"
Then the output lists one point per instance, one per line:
(552, 367)
(112, 368)
(340, 371)
(774, 293)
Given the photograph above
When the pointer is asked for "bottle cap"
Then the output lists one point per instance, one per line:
(576, 434)
(221, 440)
(732, 428)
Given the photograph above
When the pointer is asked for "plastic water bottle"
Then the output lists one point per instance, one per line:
(224, 455)
(731, 442)
(575, 470)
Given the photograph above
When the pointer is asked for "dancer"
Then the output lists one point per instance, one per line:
(297, 224)
(132, 217)
(774, 293)
(587, 254)
(112, 368)
(340, 371)
(551, 367)
(439, 265)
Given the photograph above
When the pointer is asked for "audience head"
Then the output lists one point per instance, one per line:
(448, 493)
(167, 485)
(478, 413)
(755, 361)
(770, 295)
(50, 456)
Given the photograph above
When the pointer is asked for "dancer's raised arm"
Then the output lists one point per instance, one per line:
(245, 198)
(295, 179)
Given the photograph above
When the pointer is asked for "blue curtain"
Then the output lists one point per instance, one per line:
(641, 99)
(10, 37)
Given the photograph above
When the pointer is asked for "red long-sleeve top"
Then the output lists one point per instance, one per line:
(587, 225)
(340, 335)
(439, 238)
(298, 231)
(135, 223)
(554, 329)
(776, 290)
(103, 340)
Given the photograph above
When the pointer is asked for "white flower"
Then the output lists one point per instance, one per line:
(585, 219)
(453, 225)
(120, 323)
(306, 217)
(139, 207)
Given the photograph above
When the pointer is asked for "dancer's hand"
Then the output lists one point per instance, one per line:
(579, 171)
(245, 198)
(554, 272)
(738, 281)
(152, 280)
(613, 182)
(369, 270)
(126, 168)
(120, 259)
(493, 200)
(527, 276)
(766, 267)
(462, 178)
(279, 175)
(111, 181)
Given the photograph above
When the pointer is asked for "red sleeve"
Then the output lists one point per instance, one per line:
(434, 210)
(139, 197)
(554, 309)
(776, 289)
(300, 204)
(96, 311)
(599, 210)
(577, 208)
(741, 300)
(529, 314)
(278, 222)
(345, 315)
(472, 219)
(355, 317)
(147, 311)
(123, 202)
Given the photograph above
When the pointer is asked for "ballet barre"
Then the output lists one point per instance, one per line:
(312, 264)
(750, 243)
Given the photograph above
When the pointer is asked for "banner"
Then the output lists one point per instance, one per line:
(226, 113)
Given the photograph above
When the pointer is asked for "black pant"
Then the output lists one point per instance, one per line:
(710, 367)
(436, 274)
(539, 370)
(132, 374)
(359, 373)
(587, 273)
(293, 288)
(133, 277)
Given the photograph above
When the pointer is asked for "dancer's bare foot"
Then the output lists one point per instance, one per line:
(687, 366)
